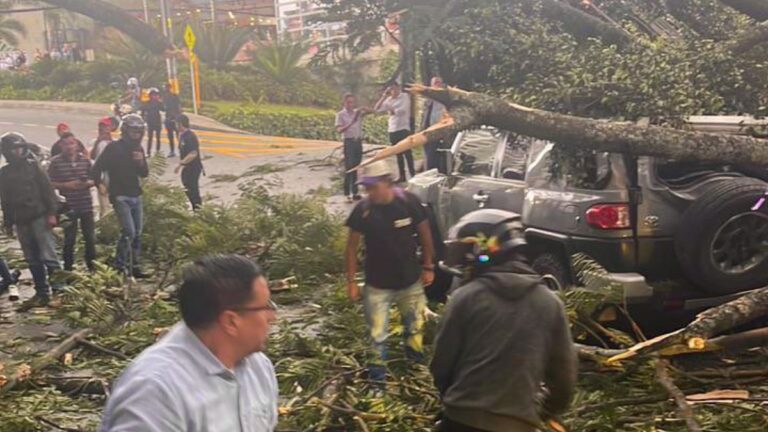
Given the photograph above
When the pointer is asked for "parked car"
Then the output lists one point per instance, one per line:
(644, 219)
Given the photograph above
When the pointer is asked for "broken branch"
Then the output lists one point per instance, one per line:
(683, 408)
(48, 358)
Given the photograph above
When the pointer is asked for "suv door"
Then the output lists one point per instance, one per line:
(475, 181)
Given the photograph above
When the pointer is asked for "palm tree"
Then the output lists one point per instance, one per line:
(10, 29)
(217, 44)
(133, 59)
(280, 61)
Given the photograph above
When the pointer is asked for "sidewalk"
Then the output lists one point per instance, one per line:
(198, 122)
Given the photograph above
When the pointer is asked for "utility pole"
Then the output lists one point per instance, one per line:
(146, 11)
(170, 62)
(213, 11)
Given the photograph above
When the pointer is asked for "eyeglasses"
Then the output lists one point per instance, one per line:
(271, 306)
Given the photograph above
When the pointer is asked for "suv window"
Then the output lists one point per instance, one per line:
(514, 161)
(476, 152)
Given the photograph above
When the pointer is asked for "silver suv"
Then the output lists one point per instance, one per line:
(644, 219)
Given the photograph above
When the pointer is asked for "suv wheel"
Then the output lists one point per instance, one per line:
(550, 264)
(722, 244)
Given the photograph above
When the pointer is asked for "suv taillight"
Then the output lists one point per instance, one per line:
(609, 216)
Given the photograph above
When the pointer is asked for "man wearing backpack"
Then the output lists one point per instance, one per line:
(390, 220)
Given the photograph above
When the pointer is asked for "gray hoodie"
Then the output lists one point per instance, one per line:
(503, 335)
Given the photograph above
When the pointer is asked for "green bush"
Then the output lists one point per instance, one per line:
(242, 84)
(297, 122)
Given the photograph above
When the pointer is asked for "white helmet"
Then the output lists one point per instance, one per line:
(375, 172)
(133, 82)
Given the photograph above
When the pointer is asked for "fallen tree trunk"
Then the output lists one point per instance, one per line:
(468, 110)
(48, 358)
(118, 18)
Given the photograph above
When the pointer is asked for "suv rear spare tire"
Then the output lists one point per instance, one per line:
(721, 243)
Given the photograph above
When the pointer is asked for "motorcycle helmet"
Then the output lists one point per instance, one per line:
(9, 142)
(483, 238)
(132, 127)
(132, 82)
(154, 90)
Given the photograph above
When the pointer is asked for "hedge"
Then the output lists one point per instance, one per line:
(297, 122)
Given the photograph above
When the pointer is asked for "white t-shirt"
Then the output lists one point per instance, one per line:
(401, 107)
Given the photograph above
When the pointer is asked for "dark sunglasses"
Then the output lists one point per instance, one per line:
(271, 306)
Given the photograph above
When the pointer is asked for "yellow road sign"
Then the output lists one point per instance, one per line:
(189, 38)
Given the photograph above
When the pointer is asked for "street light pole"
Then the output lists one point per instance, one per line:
(146, 11)
(213, 11)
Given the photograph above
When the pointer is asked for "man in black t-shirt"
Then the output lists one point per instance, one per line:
(390, 220)
(191, 165)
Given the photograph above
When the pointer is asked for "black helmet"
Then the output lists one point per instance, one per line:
(132, 123)
(10, 141)
(484, 237)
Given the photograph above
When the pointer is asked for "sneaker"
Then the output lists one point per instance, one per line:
(13, 293)
(172, 154)
(349, 198)
(36, 301)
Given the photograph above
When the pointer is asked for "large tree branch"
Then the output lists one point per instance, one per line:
(695, 337)
(582, 24)
(756, 9)
(467, 110)
(118, 18)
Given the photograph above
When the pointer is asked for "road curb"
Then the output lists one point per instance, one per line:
(198, 122)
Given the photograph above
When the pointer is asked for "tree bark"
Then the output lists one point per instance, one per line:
(118, 18)
(582, 24)
(467, 110)
(729, 315)
(696, 336)
(756, 9)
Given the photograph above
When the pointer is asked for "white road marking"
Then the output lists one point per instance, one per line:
(30, 125)
(6, 123)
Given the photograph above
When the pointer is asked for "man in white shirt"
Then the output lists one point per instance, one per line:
(208, 374)
(349, 123)
(398, 105)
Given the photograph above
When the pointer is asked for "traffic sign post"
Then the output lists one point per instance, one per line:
(190, 39)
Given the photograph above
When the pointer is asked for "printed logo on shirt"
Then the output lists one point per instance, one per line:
(402, 223)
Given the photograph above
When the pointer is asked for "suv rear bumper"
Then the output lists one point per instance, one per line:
(617, 255)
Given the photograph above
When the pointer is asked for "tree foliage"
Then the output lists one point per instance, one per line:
(10, 29)
(678, 63)
(217, 44)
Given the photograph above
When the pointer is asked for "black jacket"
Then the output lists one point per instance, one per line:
(151, 113)
(172, 106)
(124, 172)
(503, 335)
(25, 192)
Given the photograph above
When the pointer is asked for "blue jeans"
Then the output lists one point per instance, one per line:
(411, 302)
(39, 247)
(130, 214)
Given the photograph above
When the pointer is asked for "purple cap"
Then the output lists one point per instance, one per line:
(372, 180)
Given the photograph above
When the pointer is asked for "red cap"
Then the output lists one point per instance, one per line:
(62, 126)
(106, 121)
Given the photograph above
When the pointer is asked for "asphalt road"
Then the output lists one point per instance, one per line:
(39, 126)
